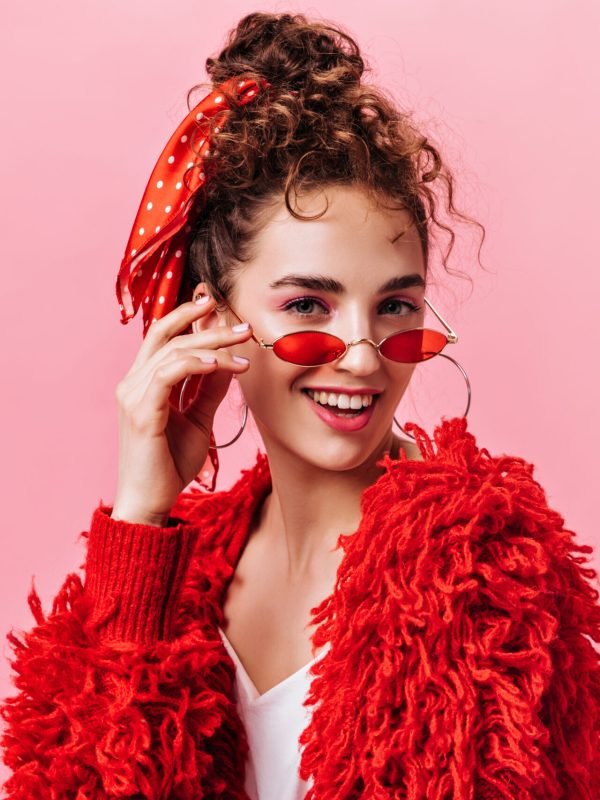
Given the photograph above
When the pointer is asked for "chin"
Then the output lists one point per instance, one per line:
(335, 456)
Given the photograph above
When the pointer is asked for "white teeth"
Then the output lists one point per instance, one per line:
(343, 401)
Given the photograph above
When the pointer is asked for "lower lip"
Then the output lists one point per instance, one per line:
(341, 423)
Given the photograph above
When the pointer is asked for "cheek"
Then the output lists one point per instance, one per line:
(269, 381)
(400, 376)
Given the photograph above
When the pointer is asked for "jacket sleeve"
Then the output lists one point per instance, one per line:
(112, 695)
(570, 704)
(538, 622)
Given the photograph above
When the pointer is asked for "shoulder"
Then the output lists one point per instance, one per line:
(453, 467)
(482, 518)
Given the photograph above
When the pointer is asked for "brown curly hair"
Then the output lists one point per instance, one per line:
(321, 126)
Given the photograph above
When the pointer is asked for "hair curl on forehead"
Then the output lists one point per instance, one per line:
(318, 125)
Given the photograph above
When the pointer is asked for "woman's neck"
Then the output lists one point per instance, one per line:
(308, 507)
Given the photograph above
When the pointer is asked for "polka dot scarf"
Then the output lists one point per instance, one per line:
(151, 271)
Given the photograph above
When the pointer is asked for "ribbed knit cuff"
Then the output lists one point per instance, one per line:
(133, 575)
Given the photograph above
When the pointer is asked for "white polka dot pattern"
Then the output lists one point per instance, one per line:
(152, 267)
(158, 236)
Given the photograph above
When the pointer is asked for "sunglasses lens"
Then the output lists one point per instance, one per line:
(309, 348)
(413, 346)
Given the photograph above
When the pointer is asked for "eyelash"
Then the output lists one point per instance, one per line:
(290, 306)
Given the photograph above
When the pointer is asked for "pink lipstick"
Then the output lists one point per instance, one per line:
(343, 421)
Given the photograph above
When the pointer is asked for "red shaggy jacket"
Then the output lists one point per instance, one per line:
(462, 664)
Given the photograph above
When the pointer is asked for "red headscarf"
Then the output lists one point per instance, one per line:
(152, 267)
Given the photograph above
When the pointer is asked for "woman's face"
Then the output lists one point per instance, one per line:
(329, 275)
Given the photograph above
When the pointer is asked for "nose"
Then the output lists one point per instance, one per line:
(361, 357)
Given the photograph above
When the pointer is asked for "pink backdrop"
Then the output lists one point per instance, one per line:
(91, 93)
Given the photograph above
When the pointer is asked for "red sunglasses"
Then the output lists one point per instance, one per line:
(313, 348)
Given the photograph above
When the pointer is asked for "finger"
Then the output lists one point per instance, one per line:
(145, 404)
(169, 373)
(220, 336)
(213, 385)
(170, 325)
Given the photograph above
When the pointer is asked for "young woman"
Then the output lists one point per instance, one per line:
(361, 615)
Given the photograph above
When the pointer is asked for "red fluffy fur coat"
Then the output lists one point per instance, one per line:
(462, 665)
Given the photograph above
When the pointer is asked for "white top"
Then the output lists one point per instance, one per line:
(273, 721)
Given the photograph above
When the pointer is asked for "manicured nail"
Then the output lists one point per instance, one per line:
(241, 360)
(243, 326)
(202, 299)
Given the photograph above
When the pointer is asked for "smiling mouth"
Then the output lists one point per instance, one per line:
(342, 412)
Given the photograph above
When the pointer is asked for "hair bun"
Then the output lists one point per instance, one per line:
(290, 52)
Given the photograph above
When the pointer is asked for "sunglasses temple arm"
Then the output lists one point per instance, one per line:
(452, 337)
(234, 312)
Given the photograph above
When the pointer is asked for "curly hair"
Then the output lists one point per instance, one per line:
(321, 126)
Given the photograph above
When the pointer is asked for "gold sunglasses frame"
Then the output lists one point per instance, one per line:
(451, 338)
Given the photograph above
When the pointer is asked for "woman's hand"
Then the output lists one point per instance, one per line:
(161, 449)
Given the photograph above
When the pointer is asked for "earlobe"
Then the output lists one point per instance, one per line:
(199, 290)
(216, 316)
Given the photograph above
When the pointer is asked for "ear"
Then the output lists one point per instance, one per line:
(211, 319)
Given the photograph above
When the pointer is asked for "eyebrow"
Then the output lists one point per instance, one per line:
(325, 284)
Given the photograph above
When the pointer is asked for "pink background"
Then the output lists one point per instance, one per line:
(92, 92)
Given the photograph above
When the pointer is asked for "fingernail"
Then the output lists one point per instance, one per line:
(241, 359)
(243, 326)
(208, 359)
(202, 299)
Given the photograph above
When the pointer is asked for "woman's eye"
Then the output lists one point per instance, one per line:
(409, 308)
(303, 306)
